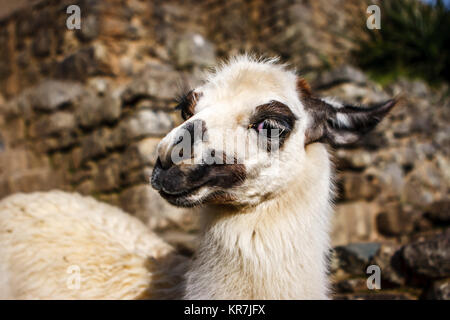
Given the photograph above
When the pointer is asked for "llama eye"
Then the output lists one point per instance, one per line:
(269, 128)
(260, 126)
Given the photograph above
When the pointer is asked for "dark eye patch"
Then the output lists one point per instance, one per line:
(276, 119)
(186, 104)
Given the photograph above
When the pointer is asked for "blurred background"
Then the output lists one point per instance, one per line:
(83, 110)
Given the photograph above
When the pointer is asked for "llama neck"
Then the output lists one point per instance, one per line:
(275, 250)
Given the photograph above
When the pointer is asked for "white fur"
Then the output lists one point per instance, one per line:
(332, 101)
(46, 236)
(343, 120)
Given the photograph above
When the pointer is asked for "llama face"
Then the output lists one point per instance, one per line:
(245, 133)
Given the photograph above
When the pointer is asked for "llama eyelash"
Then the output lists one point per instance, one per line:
(186, 103)
(182, 99)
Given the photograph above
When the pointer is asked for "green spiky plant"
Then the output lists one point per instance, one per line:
(413, 41)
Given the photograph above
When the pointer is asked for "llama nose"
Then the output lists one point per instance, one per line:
(165, 162)
(166, 154)
(171, 180)
(179, 144)
(155, 180)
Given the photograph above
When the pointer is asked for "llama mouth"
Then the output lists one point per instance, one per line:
(182, 199)
(190, 186)
(185, 199)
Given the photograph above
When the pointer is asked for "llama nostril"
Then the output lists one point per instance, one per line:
(164, 162)
(156, 178)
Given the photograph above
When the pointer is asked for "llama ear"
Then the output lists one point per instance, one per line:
(341, 124)
(303, 87)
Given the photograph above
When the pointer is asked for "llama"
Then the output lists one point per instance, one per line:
(265, 208)
(265, 222)
(59, 245)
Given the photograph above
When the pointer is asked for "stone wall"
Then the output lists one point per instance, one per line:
(118, 37)
(393, 193)
(92, 139)
(84, 110)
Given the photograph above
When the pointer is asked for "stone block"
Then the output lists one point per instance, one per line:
(355, 257)
(429, 258)
(89, 61)
(359, 186)
(439, 290)
(394, 220)
(140, 153)
(388, 258)
(354, 222)
(156, 81)
(94, 110)
(53, 94)
(193, 49)
(95, 144)
(56, 123)
(108, 174)
(147, 123)
(439, 212)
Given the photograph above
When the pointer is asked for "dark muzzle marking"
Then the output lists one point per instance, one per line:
(176, 180)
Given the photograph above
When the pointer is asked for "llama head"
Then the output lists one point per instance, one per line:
(246, 133)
